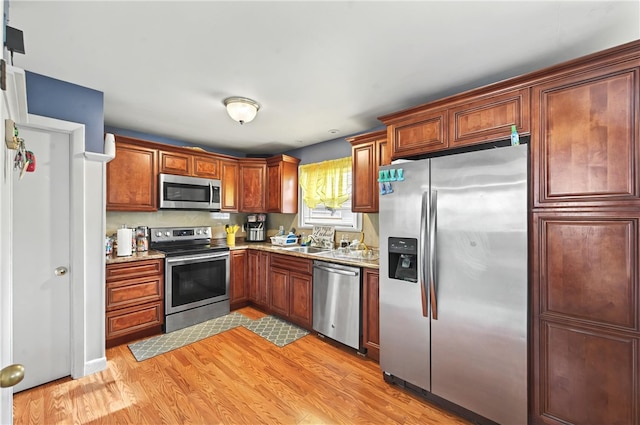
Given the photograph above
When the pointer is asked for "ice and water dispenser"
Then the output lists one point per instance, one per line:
(403, 259)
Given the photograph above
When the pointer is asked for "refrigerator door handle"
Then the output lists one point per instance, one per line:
(433, 215)
(424, 219)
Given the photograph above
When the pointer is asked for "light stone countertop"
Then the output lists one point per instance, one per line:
(328, 256)
(137, 256)
(261, 246)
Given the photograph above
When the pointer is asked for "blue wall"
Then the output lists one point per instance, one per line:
(58, 99)
(331, 149)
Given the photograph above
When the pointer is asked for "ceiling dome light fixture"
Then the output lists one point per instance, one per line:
(241, 109)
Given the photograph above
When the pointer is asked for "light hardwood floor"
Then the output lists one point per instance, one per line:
(235, 377)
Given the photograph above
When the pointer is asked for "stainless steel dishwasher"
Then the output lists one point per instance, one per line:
(336, 302)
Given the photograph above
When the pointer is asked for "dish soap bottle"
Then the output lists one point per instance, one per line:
(515, 139)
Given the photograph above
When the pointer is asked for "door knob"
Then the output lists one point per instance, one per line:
(11, 375)
(60, 271)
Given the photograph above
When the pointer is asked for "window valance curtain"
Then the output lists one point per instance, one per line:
(325, 182)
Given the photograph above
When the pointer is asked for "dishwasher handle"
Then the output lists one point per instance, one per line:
(338, 271)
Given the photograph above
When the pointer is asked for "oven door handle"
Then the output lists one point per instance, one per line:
(196, 257)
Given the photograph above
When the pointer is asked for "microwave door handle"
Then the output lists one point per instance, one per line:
(210, 194)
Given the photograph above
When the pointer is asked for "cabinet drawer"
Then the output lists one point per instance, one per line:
(128, 320)
(134, 291)
(134, 269)
(289, 262)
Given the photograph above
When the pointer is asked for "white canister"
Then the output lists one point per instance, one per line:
(124, 242)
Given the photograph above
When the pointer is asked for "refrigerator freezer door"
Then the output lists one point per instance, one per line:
(404, 332)
(479, 342)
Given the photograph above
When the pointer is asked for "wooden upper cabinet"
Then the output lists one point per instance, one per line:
(585, 138)
(463, 120)
(206, 166)
(368, 152)
(489, 118)
(132, 177)
(229, 178)
(252, 184)
(170, 162)
(185, 163)
(417, 133)
(282, 178)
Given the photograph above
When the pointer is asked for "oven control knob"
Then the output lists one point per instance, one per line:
(167, 234)
(200, 231)
(158, 234)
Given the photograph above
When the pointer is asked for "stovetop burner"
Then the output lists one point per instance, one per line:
(173, 241)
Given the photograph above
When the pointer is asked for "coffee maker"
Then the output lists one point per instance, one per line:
(256, 228)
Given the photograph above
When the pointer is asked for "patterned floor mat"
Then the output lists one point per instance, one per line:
(160, 344)
(277, 331)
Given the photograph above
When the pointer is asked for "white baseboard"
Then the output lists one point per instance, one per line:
(94, 366)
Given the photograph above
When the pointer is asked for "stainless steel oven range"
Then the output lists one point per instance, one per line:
(196, 276)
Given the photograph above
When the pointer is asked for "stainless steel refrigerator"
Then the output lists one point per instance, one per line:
(453, 280)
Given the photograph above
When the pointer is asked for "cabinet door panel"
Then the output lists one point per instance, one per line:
(489, 118)
(589, 268)
(229, 177)
(585, 138)
(371, 313)
(365, 166)
(252, 187)
(274, 198)
(279, 291)
(301, 293)
(417, 135)
(132, 179)
(238, 283)
(206, 167)
(587, 377)
(175, 163)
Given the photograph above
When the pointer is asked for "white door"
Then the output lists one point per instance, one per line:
(41, 260)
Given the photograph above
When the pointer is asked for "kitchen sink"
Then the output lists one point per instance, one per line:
(308, 249)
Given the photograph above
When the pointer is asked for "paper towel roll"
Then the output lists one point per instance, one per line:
(124, 242)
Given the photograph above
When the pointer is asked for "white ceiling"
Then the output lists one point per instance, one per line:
(166, 66)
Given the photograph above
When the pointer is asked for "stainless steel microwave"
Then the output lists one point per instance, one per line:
(189, 193)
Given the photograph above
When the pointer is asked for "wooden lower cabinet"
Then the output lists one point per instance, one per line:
(588, 376)
(586, 321)
(134, 300)
(238, 287)
(290, 289)
(258, 263)
(279, 291)
(301, 299)
(371, 313)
